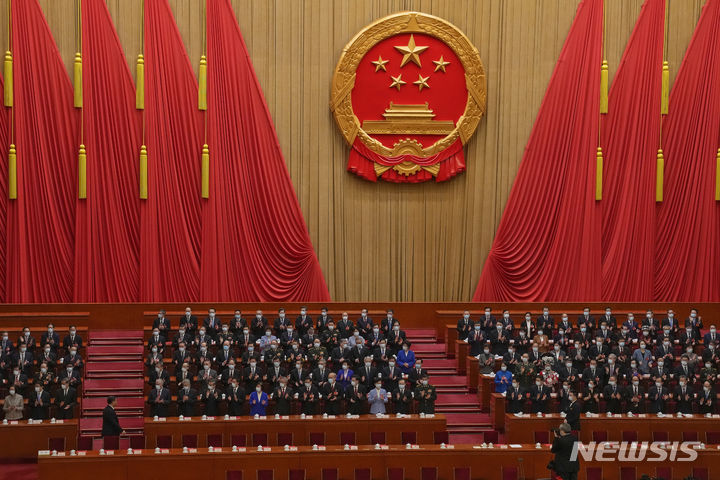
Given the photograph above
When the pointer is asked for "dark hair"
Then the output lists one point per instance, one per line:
(111, 399)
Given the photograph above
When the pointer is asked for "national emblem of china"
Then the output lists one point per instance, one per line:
(408, 92)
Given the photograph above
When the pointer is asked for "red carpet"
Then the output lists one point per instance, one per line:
(19, 471)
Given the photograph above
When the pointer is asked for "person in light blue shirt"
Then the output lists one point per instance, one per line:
(377, 398)
(258, 402)
(266, 340)
(503, 379)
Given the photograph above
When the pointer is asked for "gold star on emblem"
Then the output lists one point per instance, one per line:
(380, 64)
(411, 52)
(422, 82)
(440, 64)
(397, 82)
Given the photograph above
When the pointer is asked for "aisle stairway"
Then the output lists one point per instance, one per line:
(466, 423)
(114, 367)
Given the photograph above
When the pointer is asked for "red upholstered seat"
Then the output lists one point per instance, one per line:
(347, 438)
(362, 474)
(664, 472)
(510, 473)
(111, 442)
(628, 473)
(215, 440)
(599, 436)
(490, 436)
(265, 474)
(409, 437)
(629, 436)
(285, 438)
(690, 436)
(234, 475)
(593, 473)
(461, 473)
(57, 444)
(317, 438)
(259, 439)
(377, 437)
(712, 437)
(429, 473)
(296, 475)
(441, 437)
(329, 474)
(163, 441)
(396, 474)
(542, 436)
(137, 441)
(238, 440)
(659, 436)
(700, 473)
(190, 441)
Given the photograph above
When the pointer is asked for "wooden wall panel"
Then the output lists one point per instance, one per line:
(381, 241)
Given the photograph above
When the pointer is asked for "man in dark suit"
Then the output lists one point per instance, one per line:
(572, 413)
(211, 398)
(111, 424)
(72, 339)
(65, 400)
(235, 395)
(186, 399)
(50, 338)
(162, 323)
(189, 321)
(333, 393)
(40, 404)
(309, 397)
(402, 398)
(563, 446)
(465, 326)
(355, 396)
(159, 399)
(515, 398)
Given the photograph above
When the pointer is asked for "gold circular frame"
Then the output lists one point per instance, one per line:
(408, 22)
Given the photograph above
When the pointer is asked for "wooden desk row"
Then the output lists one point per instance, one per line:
(23, 440)
(427, 462)
(645, 429)
(295, 430)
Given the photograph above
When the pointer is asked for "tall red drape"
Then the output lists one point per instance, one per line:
(687, 257)
(41, 222)
(630, 136)
(255, 244)
(4, 147)
(170, 218)
(107, 247)
(547, 246)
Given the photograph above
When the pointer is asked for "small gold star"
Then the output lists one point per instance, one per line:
(422, 82)
(440, 64)
(397, 82)
(411, 52)
(380, 64)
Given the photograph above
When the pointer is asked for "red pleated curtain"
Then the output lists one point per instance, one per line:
(4, 147)
(687, 255)
(547, 246)
(107, 248)
(41, 222)
(170, 217)
(630, 140)
(255, 244)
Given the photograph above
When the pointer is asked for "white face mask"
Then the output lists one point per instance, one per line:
(158, 387)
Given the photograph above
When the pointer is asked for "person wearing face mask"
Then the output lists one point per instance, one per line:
(426, 395)
(583, 336)
(572, 412)
(276, 353)
(368, 373)
(226, 335)
(525, 372)
(708, 373)
(365, 324)
(259, 324)
(159, 399)
(254, 374)
(476, 339)
(642, 357)
(685, 370)
(542, 341)
(235, 397)
(402, 398)
(303, 321)
(694, 321)
(666, 352)
(486, 360)
(50, 337)
(500, 339)
(275, 372)
(48, 357)
(309, 397)
(657, 396)
(545, 321)
(417, 373)
(515, 397)
(562, 340)
(245, 339)
(712, 336)
(332, 392)
(159, 373)
(344, 375)
(237, 323)
(317, 352)
(180, 356)
(355, 396)
(189, 322)
(321, 375)
(377, 398)
(155, 358)
(39, 404)
(528, 326)
(613, 395)
(706, 399)
(634, 396)
(591, 397)
(6, 346)
(342, 353)
(503, 379)
(44, 377)
(187, 397)
(281, 322)
(298, 375)
(23, 358)
(288, 336)
(206, 374)
(27, 339)
(230, 373)
(211, 397)
(283, 396)
(310, 337)
(65, 401)
(344, 327)
(13, 404)
(72, 338)
(568, 373)
(598, 350)
(225, 354)
(405, 359)
(587, 320)
(331, 338)
(396, 337)
(357, 354)
(322, 320)
(670, 321)
(71, 374)
(156, 340)
(465, 326)
(684, 396)
(162, 323)
(258, 401)
(688, 337)
(181, 337)
(578, 355)
(565, 464)
(511, 357)
(594, 373)
(382, 354)
(212, 324)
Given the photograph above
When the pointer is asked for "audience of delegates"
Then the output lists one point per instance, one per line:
(597, 364)
(279, 365)
(39, 379)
